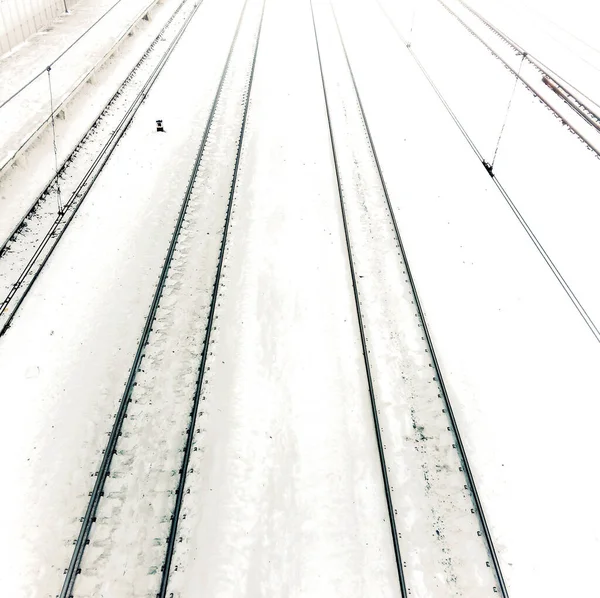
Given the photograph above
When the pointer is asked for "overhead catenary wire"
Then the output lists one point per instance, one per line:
(44, 250)
(538, 245)
(51, 64)
(56, 170)
(512, 95)
(536, 62)
(442, 385)
(590, 145)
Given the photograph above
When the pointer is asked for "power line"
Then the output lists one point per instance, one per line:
(34, 78)
(538, 245)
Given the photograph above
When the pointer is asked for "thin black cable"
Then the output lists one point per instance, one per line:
(512, 95)
(384, 471)
(572, 296)
(58, 195)
(59, 56)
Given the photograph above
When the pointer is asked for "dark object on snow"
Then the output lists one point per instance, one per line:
(159, 126)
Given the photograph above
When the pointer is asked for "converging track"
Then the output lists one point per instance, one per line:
(198, 241)
(376, 252)
(28, 247)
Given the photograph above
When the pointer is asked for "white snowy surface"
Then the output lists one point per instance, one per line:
(286, 497)
(19, 19)
(439, 532)
(21, 184)
(285, 491)
(516, 354)
(23, 115)
(563, 35)
(87, 160)
(64, 369)
(548, 173)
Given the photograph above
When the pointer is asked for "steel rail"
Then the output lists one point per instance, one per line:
(32, 208)
(171, 539)
(542, 68)
(103, 114)
(572, 101)
(104, 471)
(436, 364)
(62, 221)
(122, 87)
(527, 85)
(532, 236)
(373, 400)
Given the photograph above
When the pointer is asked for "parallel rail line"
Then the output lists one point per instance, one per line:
(380, 447)
(589, 322)
(97, 492)
(45, 248)
(541, 68)
(171, 540)
(487, 534)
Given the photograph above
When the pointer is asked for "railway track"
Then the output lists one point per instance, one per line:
(589, 322)
(28, 247)
(198, 211)
(370, 299)
(584, 112)
(361, 326)
(576, 96)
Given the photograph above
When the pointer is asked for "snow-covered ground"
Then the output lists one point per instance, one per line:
(285, 493)
(19, 19)
(516, 354)
(70, 67)
(21, 185)
(65, 397)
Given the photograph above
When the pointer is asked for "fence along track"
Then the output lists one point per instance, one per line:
(96, 494)
(437, 368)
(44, 250)
(380, 448)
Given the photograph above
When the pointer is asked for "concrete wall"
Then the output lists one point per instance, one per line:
(19, 19)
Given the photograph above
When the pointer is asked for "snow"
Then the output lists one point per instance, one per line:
(90, 155)
(25, 114)
(515, 352)
(19, 19)
(66, 369)
(285, 488)
(301, 510)
(439, 540)
(21, 184)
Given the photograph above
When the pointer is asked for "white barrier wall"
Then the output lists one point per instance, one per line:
(19, 19)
